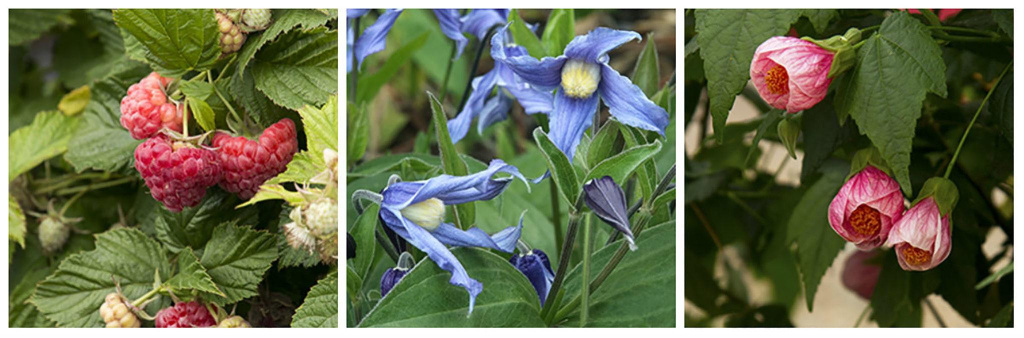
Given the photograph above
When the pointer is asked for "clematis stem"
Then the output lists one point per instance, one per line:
(476, 63)
(563, 257)
(952, 162)
(556, 212)
(385, 243)
(448, 73)
(584, 290)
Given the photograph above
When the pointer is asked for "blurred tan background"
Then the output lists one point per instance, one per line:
(834, 304)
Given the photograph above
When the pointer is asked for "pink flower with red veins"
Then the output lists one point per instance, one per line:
(791, 73)
(860, 275)
(921, 237)
(866, 207)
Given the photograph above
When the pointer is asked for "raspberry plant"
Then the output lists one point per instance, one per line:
(157, 160)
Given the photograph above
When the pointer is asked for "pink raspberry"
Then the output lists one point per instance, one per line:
(187, 314)
(247, 163)
(176, 173)
(145, 109)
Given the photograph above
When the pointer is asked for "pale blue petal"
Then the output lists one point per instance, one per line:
(479, 21)
(451, 189)
(593, 46)
(545, 74)
(482, 87)
(628, 104)
(570, 118)
(349, 42)
(374, 38)
(451, 26)
(532, 99)
(356, 12)
(504, 240)
(496, 110)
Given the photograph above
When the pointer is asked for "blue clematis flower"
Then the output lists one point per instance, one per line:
(415, 211)
(495, 109)
(580, 77)
(373, 38)
(477, 23)
(534, 264)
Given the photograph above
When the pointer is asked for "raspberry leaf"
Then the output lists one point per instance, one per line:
(27, 25)
(285, 20)
(321, 133)
(298, 68)
(236, 258)
(191, 276)
(15, 222)
(101, 142)
(203, 114)
(73, 293)
(45, 138)
(193, 227)
(176, 41)
(320, 308)
(257, 105)
(896, 68)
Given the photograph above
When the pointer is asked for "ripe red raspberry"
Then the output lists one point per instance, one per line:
(176, 173)
(145, 109)
(247, 163)
(187, 314)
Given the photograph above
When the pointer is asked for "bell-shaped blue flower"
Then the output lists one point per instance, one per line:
(490, 109)
(373, 39)
(580, 77)
(415, 211)
(392, 276)
(534, 264)
(477, 23)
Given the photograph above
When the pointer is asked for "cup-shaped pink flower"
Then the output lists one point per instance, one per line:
(866, 207)
(860, 275)
(791, 73)
(921, 237)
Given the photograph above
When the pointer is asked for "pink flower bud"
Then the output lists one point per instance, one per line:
(866, 207)
(860, 275)
(944, 14)
(791, 73)
(921, 237)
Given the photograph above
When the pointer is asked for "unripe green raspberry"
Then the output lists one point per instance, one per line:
(234, 322)
(53, 234)
(254, 20)
(116, 313)
(321, 217)
(231, 36)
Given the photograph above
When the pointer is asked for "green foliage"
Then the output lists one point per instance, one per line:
(298, 68)
(465, 213)
(174, 41)
(320, 308)
(523, 36)
(46, 137)
(559, 31)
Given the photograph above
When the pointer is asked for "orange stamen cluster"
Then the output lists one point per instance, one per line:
(915, 256)
(866, 220)
(777, 80)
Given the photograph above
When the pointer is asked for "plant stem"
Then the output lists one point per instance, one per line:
(556, 217)
(863, 314)
(226, 103)
(234, 56)
(385, 243)
(935, 312)
(71, 201)
(145, 297)
(563, 257)
(106, 184)
(448, 73)
(952, 162)
(472, 72)
(964, 30)
(584, 290)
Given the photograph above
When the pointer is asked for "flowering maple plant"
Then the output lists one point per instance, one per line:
(871, 148)
(173, 168)
(489, 185)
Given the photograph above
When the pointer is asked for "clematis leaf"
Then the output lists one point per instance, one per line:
(646, 73)
(621, 165)
(450, 161)
(559, 30)
(562, 172)
(523, 36)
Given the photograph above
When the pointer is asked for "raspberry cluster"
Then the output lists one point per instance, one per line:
(248, 163)
(146, 110)
(177, 173)
(186, 314)
(231, 36)
(116, 313)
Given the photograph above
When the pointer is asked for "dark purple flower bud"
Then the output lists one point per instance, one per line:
(608, 202)
(394, 275)
(535, 266)
(351, 253)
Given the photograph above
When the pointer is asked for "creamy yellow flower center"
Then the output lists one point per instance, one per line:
(777, 80)
(915, 256)
(580, 78)
(427, 214)
(866, 220)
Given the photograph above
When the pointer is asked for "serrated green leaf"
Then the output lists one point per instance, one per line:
(1001, 105)
(46, 137)
(371, 82)
(26, 25)
(559, 30)
(321, 126)
(298, 68)
(728, 38)
(817, 243)
(194, 226)
(641, 289)
(304, 166)
(562, 172)
(896, 68)
(819, 18)
(73, 293)
(358, 132)
(646, 73)
(284, 20)
(100, 142)
(1004, 18)
(236, 258)
(523, 36)
(274, 191)
(15, 221)
(202, 113)
(320, 308)
(176, 41)
(191, 275)
(621, 165)
(891, 299)
(21, 313)
(424, 298)
(256, 104)
(74, 102)
(450, 160)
